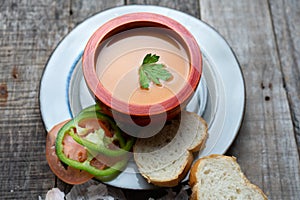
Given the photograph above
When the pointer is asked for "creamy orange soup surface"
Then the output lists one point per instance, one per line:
(121, 55)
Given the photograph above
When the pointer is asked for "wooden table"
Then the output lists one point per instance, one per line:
(265, 35)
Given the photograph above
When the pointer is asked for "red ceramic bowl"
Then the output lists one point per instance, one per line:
(125, 112)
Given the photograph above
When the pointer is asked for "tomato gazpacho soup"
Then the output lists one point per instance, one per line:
(118, 64)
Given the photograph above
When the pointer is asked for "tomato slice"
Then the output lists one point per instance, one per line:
(95, 124)
(65, 173)
(73, 150)
(101, 161)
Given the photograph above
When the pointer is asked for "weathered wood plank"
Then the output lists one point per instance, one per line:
(29, 31)
(187, 6)
(265, 146)
(286, 15)
(81, 10)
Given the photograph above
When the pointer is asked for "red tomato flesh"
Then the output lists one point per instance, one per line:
(95, 124)
(66, 173)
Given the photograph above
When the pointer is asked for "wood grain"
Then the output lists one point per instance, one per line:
(81, 10)
(286, 24)
(29, 31)
(187, 6)
(265, 146)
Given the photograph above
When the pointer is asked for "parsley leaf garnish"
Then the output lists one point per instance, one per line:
(151, 71)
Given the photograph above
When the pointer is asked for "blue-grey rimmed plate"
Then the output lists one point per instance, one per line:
(219, 98)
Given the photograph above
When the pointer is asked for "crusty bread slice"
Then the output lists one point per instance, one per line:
(165, 158)
(220, 177)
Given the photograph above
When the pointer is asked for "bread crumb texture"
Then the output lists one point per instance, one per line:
(220, 177)
(165, 158)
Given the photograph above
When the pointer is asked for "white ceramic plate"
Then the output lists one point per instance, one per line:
(219, 99)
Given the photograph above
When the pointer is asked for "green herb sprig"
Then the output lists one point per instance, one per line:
(151, 71)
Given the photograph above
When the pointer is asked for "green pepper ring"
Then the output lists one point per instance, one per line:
(91, 112)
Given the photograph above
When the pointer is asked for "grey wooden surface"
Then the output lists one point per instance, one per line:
(264, 34)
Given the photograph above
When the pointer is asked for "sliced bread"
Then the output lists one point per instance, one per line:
(165, 158)
(220, 177)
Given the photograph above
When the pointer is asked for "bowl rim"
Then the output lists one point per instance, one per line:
(106, 97)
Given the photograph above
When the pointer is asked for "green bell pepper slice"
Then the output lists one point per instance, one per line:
(72, 127)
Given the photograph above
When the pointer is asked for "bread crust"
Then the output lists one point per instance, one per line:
(201, 145)
(176, 179)
(193, 179)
